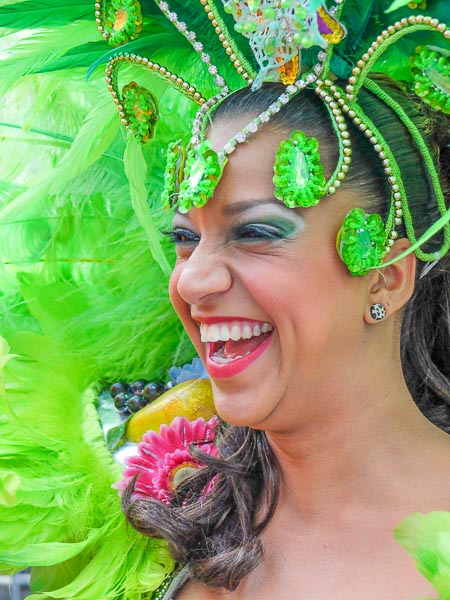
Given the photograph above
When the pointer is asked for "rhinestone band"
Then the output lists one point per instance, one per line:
(227, 41)
(191, 36)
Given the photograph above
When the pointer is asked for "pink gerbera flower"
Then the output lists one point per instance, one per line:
(164, 459)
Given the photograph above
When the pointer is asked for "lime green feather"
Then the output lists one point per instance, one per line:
(63, 516)
(40, 47)
(136, 171)
(45, 13)
(427, 539)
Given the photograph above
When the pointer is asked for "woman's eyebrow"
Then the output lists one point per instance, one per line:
(239, 207)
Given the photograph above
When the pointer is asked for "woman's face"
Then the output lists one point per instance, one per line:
(268, 277)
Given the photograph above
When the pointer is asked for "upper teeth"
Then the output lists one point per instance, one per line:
(232, 330)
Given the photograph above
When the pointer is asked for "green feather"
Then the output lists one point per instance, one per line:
(35, 52)
(427, 538)
(397, 4)
(136, 171)
(44, 13)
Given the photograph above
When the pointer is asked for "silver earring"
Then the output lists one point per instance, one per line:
(377, 312)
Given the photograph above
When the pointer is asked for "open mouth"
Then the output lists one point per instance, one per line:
(234, 340)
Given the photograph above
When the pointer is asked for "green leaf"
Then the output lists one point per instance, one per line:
(115, 438)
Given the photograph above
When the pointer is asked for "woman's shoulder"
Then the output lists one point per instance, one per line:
(426, 537)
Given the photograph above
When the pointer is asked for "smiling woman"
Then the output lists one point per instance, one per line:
(306, 183)
(316, 374)
(315, 465)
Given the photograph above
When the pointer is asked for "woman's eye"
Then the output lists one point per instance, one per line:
(181, 236)
(256, 232)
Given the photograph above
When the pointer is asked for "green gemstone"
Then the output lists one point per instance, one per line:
(254, 4)
(300, 168)
(300, 12)
(269, 13)
(248, 27)
(363, 243)
(197, 172)
(228, 7)
(440, 80)
(269, 47)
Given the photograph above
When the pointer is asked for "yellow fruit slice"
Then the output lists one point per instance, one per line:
(190, 399)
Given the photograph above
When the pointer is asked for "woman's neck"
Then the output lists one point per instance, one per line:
(370, 448)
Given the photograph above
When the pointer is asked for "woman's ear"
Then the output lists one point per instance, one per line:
(392, 286)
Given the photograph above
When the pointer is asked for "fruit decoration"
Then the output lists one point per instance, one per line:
(190, 399)
(130, 398)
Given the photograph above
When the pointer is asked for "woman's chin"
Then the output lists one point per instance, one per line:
(239, 408)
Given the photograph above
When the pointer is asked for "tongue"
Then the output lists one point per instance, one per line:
(232, 348)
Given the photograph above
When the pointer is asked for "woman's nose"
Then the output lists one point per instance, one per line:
(202, 276)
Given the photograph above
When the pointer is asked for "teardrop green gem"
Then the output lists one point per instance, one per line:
(300, 168)
(197, 172)
(254, 4)
(438, 79)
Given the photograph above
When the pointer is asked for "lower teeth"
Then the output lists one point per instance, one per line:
(222, 360)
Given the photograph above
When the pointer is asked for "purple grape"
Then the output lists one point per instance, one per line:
(121, 401)
(118, 388)
(136, 402)
(137, 387)
(153, 390)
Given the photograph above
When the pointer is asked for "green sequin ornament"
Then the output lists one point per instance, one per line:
(121, 21)
(176, 156)
(202, 173)
(361, 241)
(141, 111)
(431, 71)
(298, 172)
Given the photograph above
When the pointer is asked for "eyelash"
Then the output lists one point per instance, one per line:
(176, 236)
(259, 231)
(241, 231)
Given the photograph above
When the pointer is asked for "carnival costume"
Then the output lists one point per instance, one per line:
(84, 266)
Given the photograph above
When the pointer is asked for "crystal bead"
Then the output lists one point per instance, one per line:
(229, 148)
